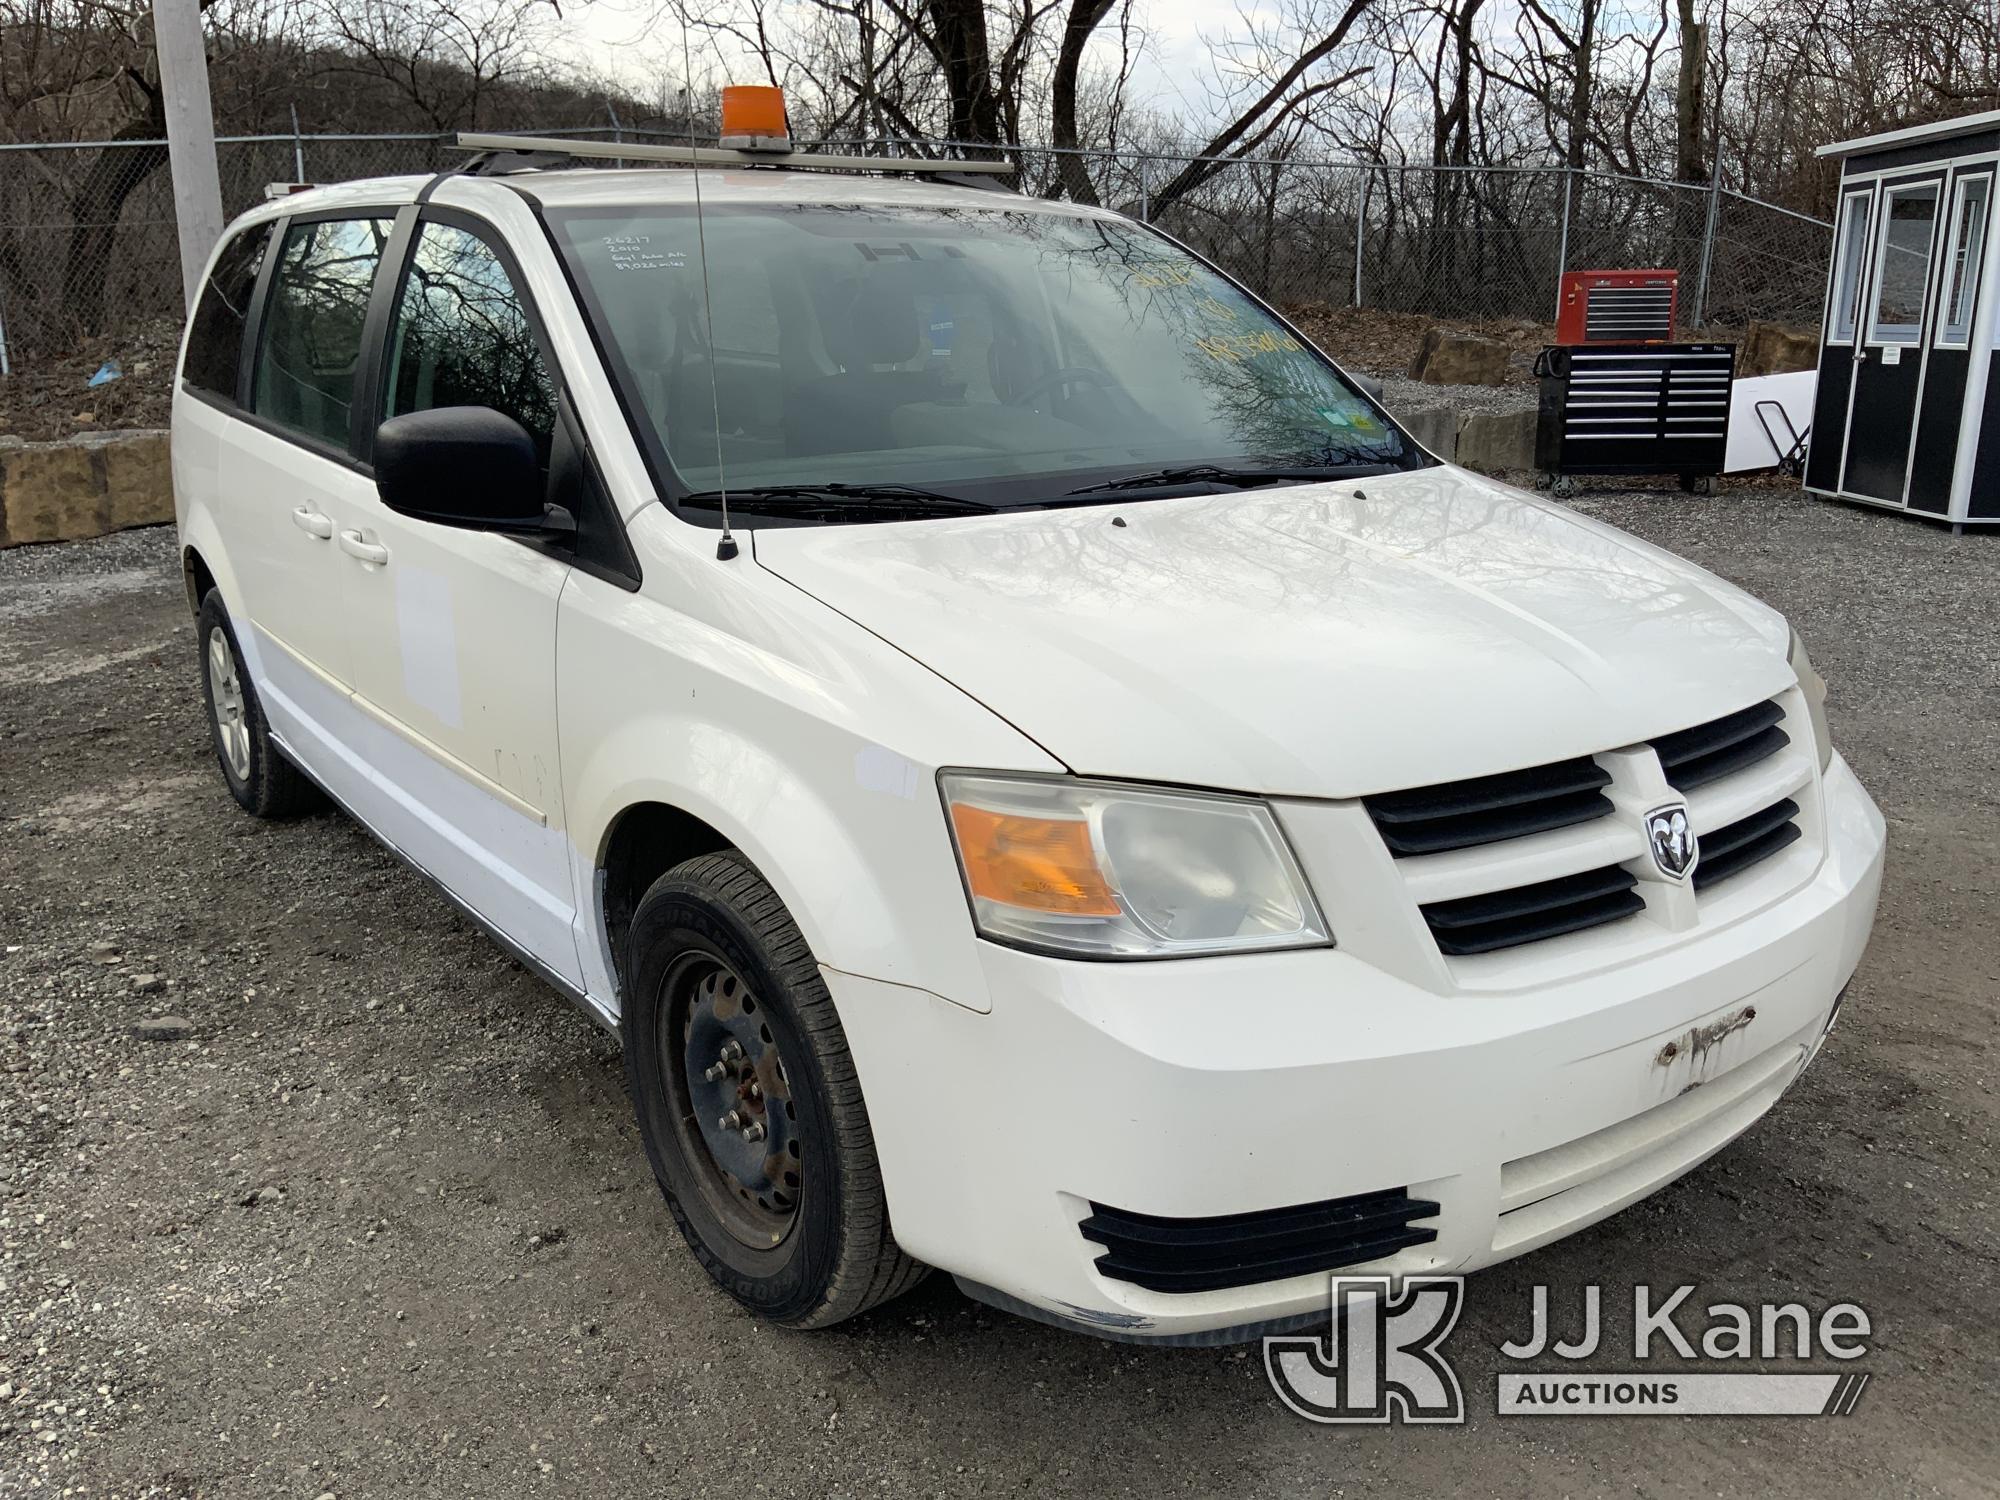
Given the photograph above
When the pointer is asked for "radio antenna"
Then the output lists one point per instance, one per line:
(725, 547)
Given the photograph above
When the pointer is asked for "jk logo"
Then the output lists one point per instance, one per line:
(1381, 1361)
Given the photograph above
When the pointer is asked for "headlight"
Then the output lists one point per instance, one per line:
(1099, 870)
(1814, 687)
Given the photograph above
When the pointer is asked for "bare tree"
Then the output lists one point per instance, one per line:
(445, 58)
(1295, 62)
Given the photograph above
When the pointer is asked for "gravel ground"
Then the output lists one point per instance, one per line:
(372, 1218)
(1401, 394)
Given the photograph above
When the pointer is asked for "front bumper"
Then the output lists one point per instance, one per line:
(1218, 1086)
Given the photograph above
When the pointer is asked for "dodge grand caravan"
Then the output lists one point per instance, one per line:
(1045, 777)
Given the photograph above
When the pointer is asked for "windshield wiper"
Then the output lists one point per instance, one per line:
(1242, 478)
(904, 500)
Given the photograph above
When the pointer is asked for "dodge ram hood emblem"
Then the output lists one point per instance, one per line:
(1672, 840)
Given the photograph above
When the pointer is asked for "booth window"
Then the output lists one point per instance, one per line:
(1968, 250)
(1903, 268)
(1847, 265)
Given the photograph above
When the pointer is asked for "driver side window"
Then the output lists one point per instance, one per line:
(461, 337)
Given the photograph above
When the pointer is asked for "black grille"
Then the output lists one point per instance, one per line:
(1735, 848)
(1529, 913)
(1708, 752)
(1204, 1255)
(1486, 809)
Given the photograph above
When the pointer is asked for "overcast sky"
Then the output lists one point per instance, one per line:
(609, 36)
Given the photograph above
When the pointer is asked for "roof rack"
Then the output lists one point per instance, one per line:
(543, 151)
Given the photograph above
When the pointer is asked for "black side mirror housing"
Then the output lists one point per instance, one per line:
(1368, 385)
(466, 466)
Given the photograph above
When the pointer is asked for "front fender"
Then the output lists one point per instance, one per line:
(862, 861)
(808, 743)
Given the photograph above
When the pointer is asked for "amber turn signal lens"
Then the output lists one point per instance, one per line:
(1044, 864)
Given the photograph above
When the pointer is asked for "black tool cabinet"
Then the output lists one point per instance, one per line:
(1634, 409)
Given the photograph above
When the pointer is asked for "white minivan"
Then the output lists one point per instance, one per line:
(1105, 813)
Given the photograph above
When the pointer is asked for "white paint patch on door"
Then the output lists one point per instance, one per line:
(429, 638)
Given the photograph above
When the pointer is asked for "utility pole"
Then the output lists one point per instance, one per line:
(190, 135)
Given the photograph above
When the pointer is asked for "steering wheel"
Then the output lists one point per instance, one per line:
(1055, 378)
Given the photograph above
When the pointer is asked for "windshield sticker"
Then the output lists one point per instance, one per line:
(941, 327)
(1355, 419)
(1240, 346)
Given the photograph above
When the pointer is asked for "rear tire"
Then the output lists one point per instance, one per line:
(727, 1018)
(262, 781)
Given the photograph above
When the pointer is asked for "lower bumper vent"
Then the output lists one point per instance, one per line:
(1529, 913)
(1737, 846)
(1205, 1255)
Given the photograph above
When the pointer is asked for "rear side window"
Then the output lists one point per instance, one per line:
(310, 348)
(461, 337)
(215, 338)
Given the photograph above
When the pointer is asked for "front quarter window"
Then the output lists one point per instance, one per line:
(1004, 355)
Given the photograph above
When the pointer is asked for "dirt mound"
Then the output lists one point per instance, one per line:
(50, 396)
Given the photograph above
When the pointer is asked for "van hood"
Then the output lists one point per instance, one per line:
(1325, 640)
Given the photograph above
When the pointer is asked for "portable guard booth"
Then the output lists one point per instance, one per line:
(1907, 413)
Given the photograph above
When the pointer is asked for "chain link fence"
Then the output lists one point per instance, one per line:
(88, 249)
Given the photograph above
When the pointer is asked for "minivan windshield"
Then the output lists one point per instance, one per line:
(1000, 356)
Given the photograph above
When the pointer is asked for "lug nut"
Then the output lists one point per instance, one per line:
(731, 1121)
(716, 1072)
(754, 1131)
(732, 1051)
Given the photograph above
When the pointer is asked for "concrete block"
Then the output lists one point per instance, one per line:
(83, 486)
(1436, 427)
(1773, 349)
(1451, 358)
(138, 481)
(1497, 442)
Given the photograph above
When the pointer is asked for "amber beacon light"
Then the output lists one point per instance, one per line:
(753, 118)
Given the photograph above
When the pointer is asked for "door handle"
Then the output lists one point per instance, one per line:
(312, 523)
(1861, 356)
(352, 543)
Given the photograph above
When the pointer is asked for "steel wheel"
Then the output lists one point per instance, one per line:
(732, 1100)
(232, 728)
(748, 1101)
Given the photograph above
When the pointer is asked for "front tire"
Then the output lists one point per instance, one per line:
(259, 777)
(748, 1101)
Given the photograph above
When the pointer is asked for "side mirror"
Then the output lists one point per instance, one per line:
(1368, 385)
(466, 466)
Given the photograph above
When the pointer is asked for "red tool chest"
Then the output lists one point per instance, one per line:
(1617, 307)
